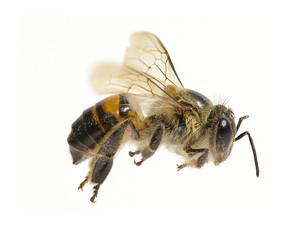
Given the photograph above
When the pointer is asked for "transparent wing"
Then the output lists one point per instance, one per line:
(112, 79)
(148, 55)
(146, 71)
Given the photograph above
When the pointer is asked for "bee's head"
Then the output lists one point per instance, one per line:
(222, 131)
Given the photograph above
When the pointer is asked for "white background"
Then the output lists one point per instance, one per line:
(253, 55)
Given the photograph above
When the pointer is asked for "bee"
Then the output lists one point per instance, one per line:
(151, 107)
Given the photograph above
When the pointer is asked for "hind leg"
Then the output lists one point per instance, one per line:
(83, 183)
(102, 163)
(102, 167)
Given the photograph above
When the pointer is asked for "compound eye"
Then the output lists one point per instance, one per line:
(224, 139)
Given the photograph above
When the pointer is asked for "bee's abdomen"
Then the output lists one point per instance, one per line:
(90, 128)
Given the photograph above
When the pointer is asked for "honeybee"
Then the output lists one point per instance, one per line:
(151, 107)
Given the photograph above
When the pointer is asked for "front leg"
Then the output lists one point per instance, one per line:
(198, 162)
(154, 144)
(202, 159)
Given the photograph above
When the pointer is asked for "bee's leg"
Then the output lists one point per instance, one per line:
(131, 153)
(202, 159)
(100, 172)
(83, 183)
(198, 162)
(184, 165)
(154, 144)
(102, 164)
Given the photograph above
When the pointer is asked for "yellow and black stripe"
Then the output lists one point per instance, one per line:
(90, 128)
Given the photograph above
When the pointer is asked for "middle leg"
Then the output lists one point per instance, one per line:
(152, 147)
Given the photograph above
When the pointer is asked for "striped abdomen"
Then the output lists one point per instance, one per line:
(90, 128)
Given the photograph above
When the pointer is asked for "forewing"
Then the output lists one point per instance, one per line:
(146, 72)
(148, 55)
(113, 79)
